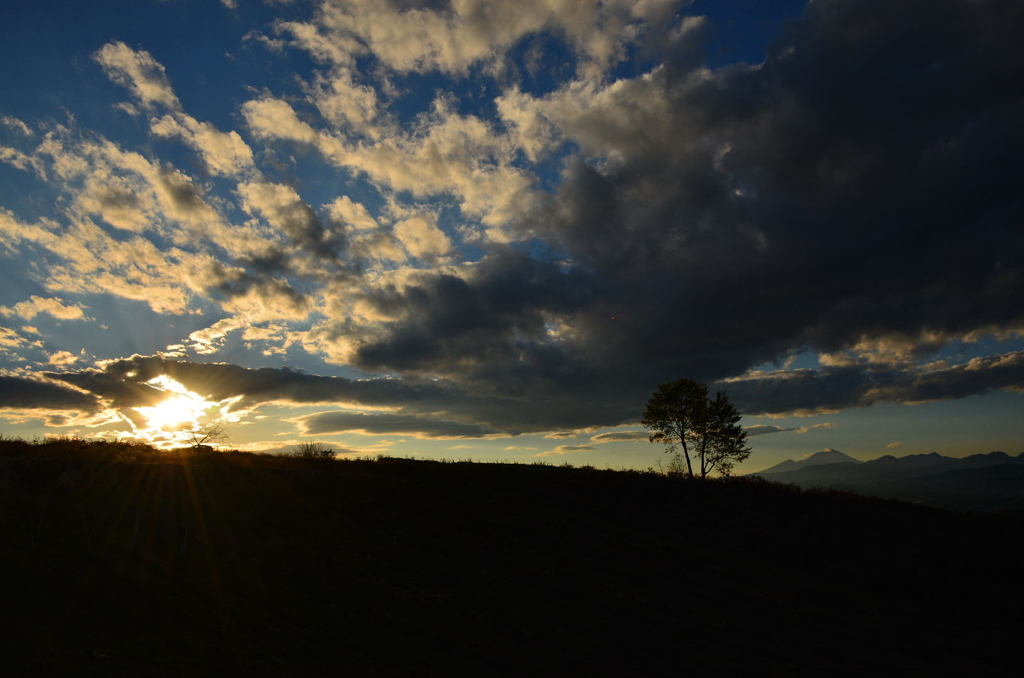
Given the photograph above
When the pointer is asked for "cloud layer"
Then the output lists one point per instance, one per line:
(501, 257)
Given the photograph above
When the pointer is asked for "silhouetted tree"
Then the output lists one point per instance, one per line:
(707, 431)
(201, 435)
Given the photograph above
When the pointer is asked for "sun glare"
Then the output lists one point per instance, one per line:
(180, 410)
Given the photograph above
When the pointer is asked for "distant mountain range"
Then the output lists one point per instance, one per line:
(980, 482)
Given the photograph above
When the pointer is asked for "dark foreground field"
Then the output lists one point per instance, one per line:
(121, 561)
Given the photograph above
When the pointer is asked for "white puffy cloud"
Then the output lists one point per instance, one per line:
(345, 104)
(36, 305)
(10, 338)
(421, 236)
(16, 124)
(210, 339)
(270, 118)
(224, 153)
(607, 120)
(131, 191)
(275, 202)
(380, 245)
(448, 153)
(564, 449)
(353, 214)
(133, 194)
(22, 161)
(619, 436)
(268, 300)
(887, 348)
(139, 71)
(62, 358)
(471, 31)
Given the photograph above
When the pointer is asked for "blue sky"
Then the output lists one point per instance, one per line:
(490, 229)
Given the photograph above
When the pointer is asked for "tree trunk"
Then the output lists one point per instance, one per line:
(686, 452)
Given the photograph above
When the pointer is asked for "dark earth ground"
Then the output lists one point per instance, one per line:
(117, 560)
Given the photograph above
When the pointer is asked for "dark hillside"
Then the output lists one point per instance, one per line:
(122, 561)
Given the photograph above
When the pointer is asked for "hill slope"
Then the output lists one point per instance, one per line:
(128, 563)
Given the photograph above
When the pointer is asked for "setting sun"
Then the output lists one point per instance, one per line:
(179, 411)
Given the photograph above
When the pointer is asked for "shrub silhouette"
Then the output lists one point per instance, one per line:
(318, 451)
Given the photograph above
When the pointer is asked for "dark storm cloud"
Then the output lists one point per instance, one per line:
(285, 211)
(124, 383)
(489, 327)
(440, 409)
(857, 386)
(342, 422)
(181, 192)
(270, 262)
(274, 292)
(839, 189)
(804, 391)
(765, 429)
(864, 180)
(121, 391)
(117, 199)
(308, 231)
(979, 375)
(16, 392)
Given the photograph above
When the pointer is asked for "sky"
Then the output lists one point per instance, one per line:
(489, 229)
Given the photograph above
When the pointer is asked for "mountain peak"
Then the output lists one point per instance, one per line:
(826, 456)
(829, 455)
